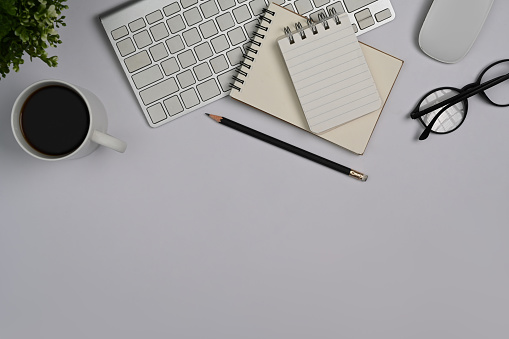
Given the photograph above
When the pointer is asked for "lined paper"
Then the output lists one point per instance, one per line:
(330, 75)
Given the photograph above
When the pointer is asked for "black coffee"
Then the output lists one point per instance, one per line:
(54, 120)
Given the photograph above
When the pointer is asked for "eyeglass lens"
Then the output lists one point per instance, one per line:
(451, 118)
(498, 94)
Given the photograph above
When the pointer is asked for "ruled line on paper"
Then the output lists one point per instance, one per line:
(334, 76)
(325, 121)
(325, 95)
(337, 65)
(344, 104)
(309, 53)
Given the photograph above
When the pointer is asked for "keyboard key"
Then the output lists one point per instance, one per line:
(142, 39)
(320, 3)
(257, 6)
(290, 7)
(154, 17)
(191, 36)
(203, 51)
(186, 79)
(303, 6)
(159, 91)
(209, 9)
(337, 6)
(202, 71)
(119, 32)
(156, 113)
(173, 105)
(147, 76)
(220, 43)
(158, 52)
(192, 16)
(208, 29)
(383, 15)
(225, 4)
(188, 3)
(159, 31)
(175, 44)
(225, 21)
(219, 64)
(171, 9)
(364, 18)
(355, 29)
(186, 58)
(208, 89)
(236, 36)
(125, 47)
(235, 56)
(136, 25)
(353, 5)
(176, 24)
(137, 61)
(241, 14)
(250, 27)
(190, 98)
(170, 66)
(225, 79)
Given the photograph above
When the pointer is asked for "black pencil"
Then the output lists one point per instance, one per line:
(286, 146)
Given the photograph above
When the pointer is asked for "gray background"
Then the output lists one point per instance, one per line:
(198, 231)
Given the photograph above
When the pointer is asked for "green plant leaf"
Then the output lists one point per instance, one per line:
(28, 27)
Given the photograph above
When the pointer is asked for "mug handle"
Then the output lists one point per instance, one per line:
(109, 141)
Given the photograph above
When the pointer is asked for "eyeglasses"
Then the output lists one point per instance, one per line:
(444, 109)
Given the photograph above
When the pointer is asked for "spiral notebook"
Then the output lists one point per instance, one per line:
(329, 72)
(263, 81)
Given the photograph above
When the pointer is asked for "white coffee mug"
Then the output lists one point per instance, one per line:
(95, 136)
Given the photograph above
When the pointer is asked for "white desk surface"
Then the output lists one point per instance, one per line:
(198, 231)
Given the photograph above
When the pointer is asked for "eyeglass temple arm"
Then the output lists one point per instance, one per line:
(416, 113)
(425, 134)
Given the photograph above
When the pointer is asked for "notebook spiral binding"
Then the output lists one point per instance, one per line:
(251, 50)
(312, 25)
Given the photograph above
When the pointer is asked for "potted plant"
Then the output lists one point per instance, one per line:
(28, 26)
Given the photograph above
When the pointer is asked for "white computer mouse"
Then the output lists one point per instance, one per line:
(451, 27)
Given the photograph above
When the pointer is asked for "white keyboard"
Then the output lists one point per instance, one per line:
(181, 55)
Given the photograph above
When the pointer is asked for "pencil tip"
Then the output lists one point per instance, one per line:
(207, 114)
(215, 117)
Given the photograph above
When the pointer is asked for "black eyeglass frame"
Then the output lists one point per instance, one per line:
(463, 94)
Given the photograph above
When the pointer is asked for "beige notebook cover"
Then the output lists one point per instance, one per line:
(266, 84)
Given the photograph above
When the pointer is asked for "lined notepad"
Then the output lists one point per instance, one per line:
(329, 73)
